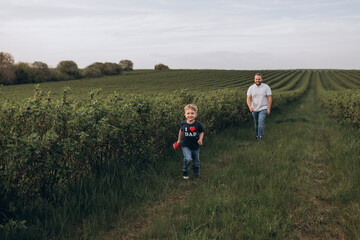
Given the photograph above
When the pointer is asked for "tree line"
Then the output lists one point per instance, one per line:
(37, 72)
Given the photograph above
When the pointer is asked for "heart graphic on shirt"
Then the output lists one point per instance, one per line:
(192, 129)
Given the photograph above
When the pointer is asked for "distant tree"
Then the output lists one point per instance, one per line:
(56, 75)
(23, 73)
(111, 69)
(161, 66)
(69, 68)
(99, 69)
(7, 70)
(41, 72)
(93, 70)
(126, 65)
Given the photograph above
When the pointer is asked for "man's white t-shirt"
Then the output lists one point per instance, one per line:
(259, 96)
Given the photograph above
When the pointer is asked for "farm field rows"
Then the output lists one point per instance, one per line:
(57, 147)
(152, 82)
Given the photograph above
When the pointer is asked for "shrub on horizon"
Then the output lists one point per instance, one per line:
(7, 70)
(99, 69)
(161, 66)
(91, 73)
(69, 68)
(111, 68)
(41, 72)
(23, 73)
(126, 65)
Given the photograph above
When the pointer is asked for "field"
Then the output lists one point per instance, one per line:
(150, 82)
(100, 166)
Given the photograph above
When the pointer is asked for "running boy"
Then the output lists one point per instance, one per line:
(191, 136)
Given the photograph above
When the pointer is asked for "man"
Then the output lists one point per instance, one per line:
(259, 102)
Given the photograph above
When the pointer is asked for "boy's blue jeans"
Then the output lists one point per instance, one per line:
(191, 155)
(259, 120)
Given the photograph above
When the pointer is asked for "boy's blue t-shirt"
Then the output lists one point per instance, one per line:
(190, 134)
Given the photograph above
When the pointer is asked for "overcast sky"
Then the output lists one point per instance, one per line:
(196, 34)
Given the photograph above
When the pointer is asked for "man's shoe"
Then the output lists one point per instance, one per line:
(185, 177)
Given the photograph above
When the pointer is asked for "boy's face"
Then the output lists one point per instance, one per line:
(190, 115)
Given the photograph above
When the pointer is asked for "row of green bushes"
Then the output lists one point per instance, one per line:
(344, 105)
(341, 104)
(49, 144)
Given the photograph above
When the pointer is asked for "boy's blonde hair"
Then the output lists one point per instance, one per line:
(191, 106)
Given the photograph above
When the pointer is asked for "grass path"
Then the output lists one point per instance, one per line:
(300, 182)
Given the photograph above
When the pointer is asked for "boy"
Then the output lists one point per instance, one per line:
(191, 136)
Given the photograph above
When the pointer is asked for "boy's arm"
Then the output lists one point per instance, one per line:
(201, 136)
(179, 137)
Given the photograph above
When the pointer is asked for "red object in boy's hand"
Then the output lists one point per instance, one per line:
(175, 145)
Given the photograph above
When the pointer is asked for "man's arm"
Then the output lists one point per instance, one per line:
(269, 98)
(248, 101)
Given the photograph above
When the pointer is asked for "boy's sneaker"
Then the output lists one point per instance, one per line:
(185, 177)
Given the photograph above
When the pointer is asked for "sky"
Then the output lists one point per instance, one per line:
(186, 34)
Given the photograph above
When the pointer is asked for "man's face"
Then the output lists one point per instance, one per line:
(258, 80)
